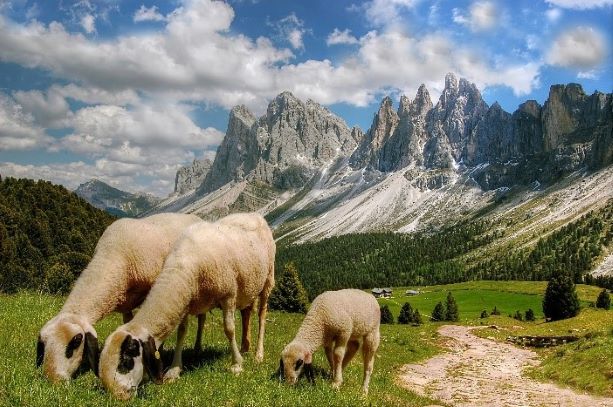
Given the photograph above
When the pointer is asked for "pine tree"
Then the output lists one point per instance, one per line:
(603, 300)
(451, 313)
(530, 315)
(438, 314)
(386, 315)
(560, 301)
(484, 314)
(495, 311)
(518, 316)
(289, 295)
(417, 320)
(406, 314)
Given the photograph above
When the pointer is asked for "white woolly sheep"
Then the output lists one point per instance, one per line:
(227, 264)
(127, 260)
(338, 321)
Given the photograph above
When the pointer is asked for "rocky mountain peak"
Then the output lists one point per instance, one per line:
(191, 176)
(241, 112)
(451, 83)
(422, 102)
(405, 106)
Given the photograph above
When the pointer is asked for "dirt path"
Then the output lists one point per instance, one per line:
(482, 372)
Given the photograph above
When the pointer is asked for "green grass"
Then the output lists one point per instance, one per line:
(207, 380)
(211, 383)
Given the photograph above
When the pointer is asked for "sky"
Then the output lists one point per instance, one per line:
(129, 91)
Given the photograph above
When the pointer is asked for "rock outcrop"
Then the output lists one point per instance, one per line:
(190, 177)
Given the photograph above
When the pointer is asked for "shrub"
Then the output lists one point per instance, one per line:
(417, 320)
(530, 315)
(386, 315)
(495, 311)
(452, 313)
(518, 316)
(289, 295)
(484, 314)
(58, 278)
(603, 300)
(438, 314)
(406, 314)
(561, 299)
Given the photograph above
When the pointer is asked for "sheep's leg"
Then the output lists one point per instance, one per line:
(339, 355)
(177, 361)
(228, 325)
(127, 316)
(198, 345)
(262, 310)
(352, 348)
(369, 349)
(329, 349)
(245, 319)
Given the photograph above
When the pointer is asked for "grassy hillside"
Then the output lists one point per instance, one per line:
(207, 380)
(47, 235)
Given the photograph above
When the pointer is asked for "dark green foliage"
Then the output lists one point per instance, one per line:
(484, 314)
(603, 300)
(47, 235)
(518, 316)
(561, 300)
(530, 315)
(495, 311)
(406, 314)
(417, 319)
(386, 315)
(438, 313)
(289, 294)
(451, 310)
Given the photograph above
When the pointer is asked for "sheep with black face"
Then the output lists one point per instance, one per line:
(127, 260)
(340, 321)
(227, 264)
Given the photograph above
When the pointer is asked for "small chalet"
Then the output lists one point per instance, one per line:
(411, 292)
(382, 292)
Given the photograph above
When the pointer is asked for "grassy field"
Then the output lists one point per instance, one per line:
(207, 380)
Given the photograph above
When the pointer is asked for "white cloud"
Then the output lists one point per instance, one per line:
(88, 22)
(292, 30)
(591, 74)
(482, 16)
(93, 95)
(386, 13)
(341, 37)
(18, 131)
(580, 47)
(553, 14)
(148, 14)
(580, 4)
(49, 109)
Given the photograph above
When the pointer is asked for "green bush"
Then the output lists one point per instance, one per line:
(518, 316)
(58, 279)
(561, 300)
(438, 313)
(451, 314)
(603, 300)
(484, 314)
(386, 315)
(495, 311)
(417, 320)
(530, 315)
(406, 314)
(289, 295)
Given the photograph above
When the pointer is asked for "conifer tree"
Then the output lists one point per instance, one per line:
(386, 315)
(603, 300)
(530, 315)
(406, 314)
(484, 314)
(438, 314)
(451, 313)
(561, 300)
(417, 320)
(289, 295)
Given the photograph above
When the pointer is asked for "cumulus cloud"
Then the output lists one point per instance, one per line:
(341, 37)
(88, 22)
(292, 30)
(18, 131)
(580, 47)
(148, 14)
(553, 14)
(49, 109)
(580, 4)
(386, 13)
(482, 16)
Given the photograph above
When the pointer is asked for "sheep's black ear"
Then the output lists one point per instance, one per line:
(40, 352)
(308, 372)
(91, 351)
(281, 371)
(130, 348)
(73, 345)
(153, 361)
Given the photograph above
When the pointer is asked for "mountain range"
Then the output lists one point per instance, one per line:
(115, 201)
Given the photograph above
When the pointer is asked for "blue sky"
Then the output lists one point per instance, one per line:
(128, 91)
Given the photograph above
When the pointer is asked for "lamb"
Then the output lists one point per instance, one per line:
(127, 259)
(227, 264)
(337, 320)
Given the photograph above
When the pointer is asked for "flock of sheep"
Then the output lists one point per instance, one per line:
(174, 265)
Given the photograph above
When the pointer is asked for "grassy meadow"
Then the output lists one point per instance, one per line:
(207, 380)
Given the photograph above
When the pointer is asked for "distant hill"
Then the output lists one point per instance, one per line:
(47, 235)
(115, 201)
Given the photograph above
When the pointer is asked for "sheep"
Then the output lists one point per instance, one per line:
(337, 320)
(126, 262)
(227, 264)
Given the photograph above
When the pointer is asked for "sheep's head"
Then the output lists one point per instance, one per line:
(64, 344)
(124, 359)
(294, 359)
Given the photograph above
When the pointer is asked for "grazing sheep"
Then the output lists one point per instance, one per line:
(337, 320)
(227, 264)
(127, 260)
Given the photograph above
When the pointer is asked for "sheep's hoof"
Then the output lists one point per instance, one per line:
(236, 369)
(172, 374)
(364, 391)
(336, 385)
(259, 357)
